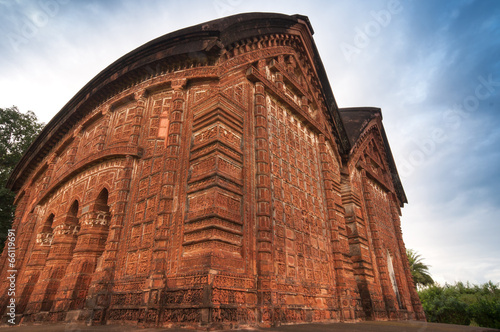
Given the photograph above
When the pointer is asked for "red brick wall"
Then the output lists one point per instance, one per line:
(212, 195)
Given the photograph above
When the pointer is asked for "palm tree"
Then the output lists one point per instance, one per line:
(419, 270)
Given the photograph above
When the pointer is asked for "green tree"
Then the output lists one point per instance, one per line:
(17, 132)
(419, 270)
(485, 310)
(462, 304)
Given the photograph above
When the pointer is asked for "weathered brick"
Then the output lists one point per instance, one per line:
(211, 173)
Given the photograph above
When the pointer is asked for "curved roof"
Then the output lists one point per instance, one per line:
(200, 43)
(203, 43)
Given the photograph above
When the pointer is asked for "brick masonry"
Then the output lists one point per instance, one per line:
(210, 180)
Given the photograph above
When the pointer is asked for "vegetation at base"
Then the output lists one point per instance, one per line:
(17, 131)
(463, 304)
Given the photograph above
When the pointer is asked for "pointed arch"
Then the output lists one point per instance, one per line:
(48, 222)
(101, 207)
(73, 209)
(72, 215)
(46, 231)
(101, 203)
(85, 265)
(60, 254)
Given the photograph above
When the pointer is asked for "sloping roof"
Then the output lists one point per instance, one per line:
(356, 120)
(202, 42)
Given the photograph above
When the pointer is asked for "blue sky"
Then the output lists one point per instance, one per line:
(432, 66)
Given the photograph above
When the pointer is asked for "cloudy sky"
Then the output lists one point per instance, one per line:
(432, 66)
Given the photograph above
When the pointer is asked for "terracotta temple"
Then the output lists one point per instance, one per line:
(209, 179)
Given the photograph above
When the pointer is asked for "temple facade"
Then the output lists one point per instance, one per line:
(209, 179)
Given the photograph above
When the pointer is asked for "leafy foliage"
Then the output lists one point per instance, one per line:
(419, 270)
(462, 304)
(17, 131)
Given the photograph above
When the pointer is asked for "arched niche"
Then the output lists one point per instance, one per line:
(46, 232)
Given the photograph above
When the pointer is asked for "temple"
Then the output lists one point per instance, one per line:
(208, 179)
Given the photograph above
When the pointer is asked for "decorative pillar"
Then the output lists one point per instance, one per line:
(345, 283)
(99, 293)
(55, 243)
(164, 255)
(265, 259)
(168, 224)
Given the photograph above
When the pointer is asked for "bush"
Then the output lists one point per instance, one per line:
(462, 304)
(486, 312)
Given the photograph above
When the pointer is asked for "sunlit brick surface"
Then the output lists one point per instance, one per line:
(209, 180)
